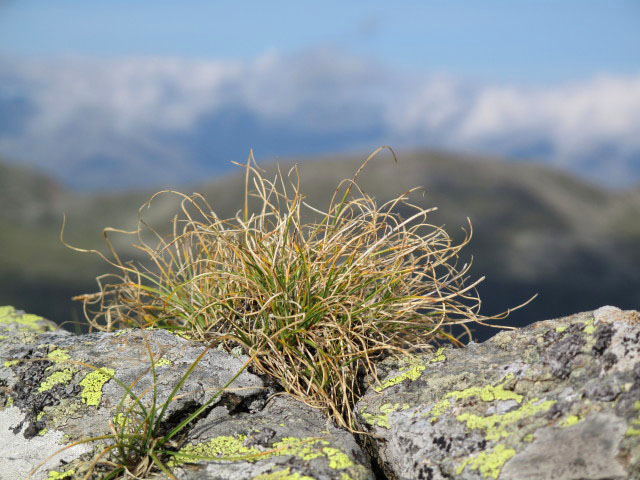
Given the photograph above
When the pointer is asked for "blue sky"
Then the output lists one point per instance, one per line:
(507, 40)
(96, 91)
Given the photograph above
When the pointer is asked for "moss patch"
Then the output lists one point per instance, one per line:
(92, 385)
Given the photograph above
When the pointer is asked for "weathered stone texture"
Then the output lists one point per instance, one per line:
(49, 398)
(558, 400)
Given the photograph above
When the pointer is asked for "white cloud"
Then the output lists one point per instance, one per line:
(87, 107)
(575, 118)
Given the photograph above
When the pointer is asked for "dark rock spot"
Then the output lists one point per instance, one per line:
(560, 355)
(262, 438)
(425, 472)
(631, 343)
(600, 391)
(442, 443)
(609, 360)
(17, 428)
(603, 338)
(556, 411)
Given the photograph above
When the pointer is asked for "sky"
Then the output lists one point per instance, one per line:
(539, 40)
(92, 86)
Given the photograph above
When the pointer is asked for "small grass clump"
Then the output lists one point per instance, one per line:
(313, 302)
(141, 445)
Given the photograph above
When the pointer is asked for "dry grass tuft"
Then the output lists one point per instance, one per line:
(315, 303)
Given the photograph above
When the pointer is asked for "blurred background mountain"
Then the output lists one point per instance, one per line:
(523, 116)
(535, 230)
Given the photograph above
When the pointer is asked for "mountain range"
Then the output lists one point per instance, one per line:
(536, 230)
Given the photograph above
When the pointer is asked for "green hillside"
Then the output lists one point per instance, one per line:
(535, 230)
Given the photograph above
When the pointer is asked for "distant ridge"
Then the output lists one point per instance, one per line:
(536, 230)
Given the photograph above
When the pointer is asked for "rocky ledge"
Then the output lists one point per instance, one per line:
(559, 399)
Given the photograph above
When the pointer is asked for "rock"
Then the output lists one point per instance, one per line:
(557, 400)
(50, 398)
(301, 440)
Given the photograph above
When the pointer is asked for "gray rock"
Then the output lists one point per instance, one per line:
(558, 400)
(50, 398)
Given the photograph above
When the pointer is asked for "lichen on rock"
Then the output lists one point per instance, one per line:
(520, 403)
(92, 385)
(565, 390)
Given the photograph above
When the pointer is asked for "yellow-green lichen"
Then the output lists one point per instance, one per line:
(561, 329)
(413, 371)
(488, 393)
(10, 363)
(589, 328)
(495, 425)
(224, 447)
(4, 337)
(39, 416)
(528, 438)
(337, 459)
(58, 355)
(488, 464)
(382, 419)
(570, 420)
(120, 419)
(633, 431)
(92, 385)
(61, 376)
(43, 432)
(163, 362)
(26, 321)
(9, 402)
(438, 409)
(232, 448)
(282, 475)
(53, 475)
(302, 448)
(58, 415)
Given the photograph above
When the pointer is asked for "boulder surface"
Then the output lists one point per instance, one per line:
(558, 400)
(50, 398)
